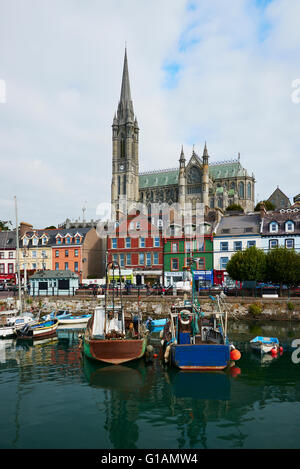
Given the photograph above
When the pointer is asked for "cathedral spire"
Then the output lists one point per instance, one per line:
(205, 155)
(125, 108)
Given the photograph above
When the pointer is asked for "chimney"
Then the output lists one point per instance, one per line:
(24, 227)
(262, 209)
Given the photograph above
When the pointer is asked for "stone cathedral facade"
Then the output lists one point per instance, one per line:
(196, 180)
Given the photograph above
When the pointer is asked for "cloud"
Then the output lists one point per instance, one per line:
(216, 71)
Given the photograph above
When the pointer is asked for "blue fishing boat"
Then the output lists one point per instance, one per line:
(197, 340)
(80, 319)
(61, 314)
(40, 329)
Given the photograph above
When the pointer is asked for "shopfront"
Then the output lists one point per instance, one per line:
(203, 279)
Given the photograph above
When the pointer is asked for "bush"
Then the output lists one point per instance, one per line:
(290, 306)
(255, 309)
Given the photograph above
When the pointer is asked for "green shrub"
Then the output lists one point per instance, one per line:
(290, 306)
(255, 309)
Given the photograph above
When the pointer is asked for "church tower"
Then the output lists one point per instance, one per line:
(125, 150)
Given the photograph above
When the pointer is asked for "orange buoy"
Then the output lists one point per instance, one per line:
(155, 355)
(235, 354)
(273, 352)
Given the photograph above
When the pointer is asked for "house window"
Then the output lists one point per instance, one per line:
(289, 243)
(224, 246)
(224, 262)
(148, 258)
(174, 263)
(141, 258)
(34, 241)
(10, 255)
(155, 258)
(77, 240)
(237, 245)
(2, 268)
(273, 227)
(68, 240)
(188, 246)
(122, 262)
(34, 266)
(142, 242)
(174, 247)
(2, 255)
(289, 226)
(250, 244)
(201, 263)
(114, 243)
(44, 241)
(115, 257)
(131, 225)
(66, 253)
(56, 266)
(128, 259)
(76, 252)
(57, 253)
(33, 253)
(25, 242)
(66, 265)
(58, 240)
(273, 243)
(76, 266)
(138, 225)
(128, 243)
(156, 242)
(200, 245)
(10, 268)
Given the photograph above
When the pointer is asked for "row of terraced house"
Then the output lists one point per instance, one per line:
(145, 252)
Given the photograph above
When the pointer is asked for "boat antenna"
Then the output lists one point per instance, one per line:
(18, 256)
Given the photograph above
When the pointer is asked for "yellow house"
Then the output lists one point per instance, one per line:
(35, 251)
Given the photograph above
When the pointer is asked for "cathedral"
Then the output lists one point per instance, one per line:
(196, 180)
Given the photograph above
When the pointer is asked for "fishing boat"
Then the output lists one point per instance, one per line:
(197, 340)
(38, 330)
(61, 314)
(82, 319)
(110, 336)
(264, 344)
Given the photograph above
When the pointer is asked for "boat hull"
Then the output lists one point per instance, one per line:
(6, 332)
(39, 331)
(114, 351)
(204, 357)
(74, 320)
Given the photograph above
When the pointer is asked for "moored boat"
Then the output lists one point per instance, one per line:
(38, 330)
(264, 344)
(15, 323)
(74, 319)
(60, 314)
(156, 325)
(112, 338)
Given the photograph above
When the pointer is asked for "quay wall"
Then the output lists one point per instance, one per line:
(157, 306)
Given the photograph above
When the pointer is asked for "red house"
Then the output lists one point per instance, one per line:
(137, 245)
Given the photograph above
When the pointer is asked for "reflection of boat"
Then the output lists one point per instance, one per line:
(109, 336)
(205, 385)
(121, 378)
(38, 330)
(264, 344)
(82, 319)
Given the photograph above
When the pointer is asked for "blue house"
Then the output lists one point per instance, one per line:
(53, 282)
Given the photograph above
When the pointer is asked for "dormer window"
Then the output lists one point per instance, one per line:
(25, 242)
(68, 240)
(44, 240)
(289, 226)
(273, 227)
(58, 239)
(35, 241)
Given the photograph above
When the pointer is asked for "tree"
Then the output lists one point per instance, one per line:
(283, 266)
(248, 265)
(268, 205)
(52, 227)
(234, 208)
(4, 225)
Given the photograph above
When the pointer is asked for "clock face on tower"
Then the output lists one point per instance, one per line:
(121, 167)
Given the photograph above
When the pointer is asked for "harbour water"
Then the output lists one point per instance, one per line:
(53, 397)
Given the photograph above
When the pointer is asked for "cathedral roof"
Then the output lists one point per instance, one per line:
(227, 169)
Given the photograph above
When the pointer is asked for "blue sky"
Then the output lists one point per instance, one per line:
(219, 71)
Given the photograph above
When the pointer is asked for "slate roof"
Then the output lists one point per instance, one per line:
(170, 176)
(235, 225)
(7, 240)
(281, 217)
(50, 274)
(52, 235)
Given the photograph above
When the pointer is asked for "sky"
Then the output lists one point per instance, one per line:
(222, 71)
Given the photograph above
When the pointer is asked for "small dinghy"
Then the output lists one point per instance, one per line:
(264, 344)
(61, 314)
(38, 330)
(75, 319)
(156, 325)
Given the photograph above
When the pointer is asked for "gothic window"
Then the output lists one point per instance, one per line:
(124, 184)
(220, 202)
(194, 175)
(249, 190)
(232, 185)
(119, 185)
(122, 147)
(241, 190)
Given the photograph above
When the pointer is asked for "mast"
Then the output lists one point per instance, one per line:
(18, 256)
